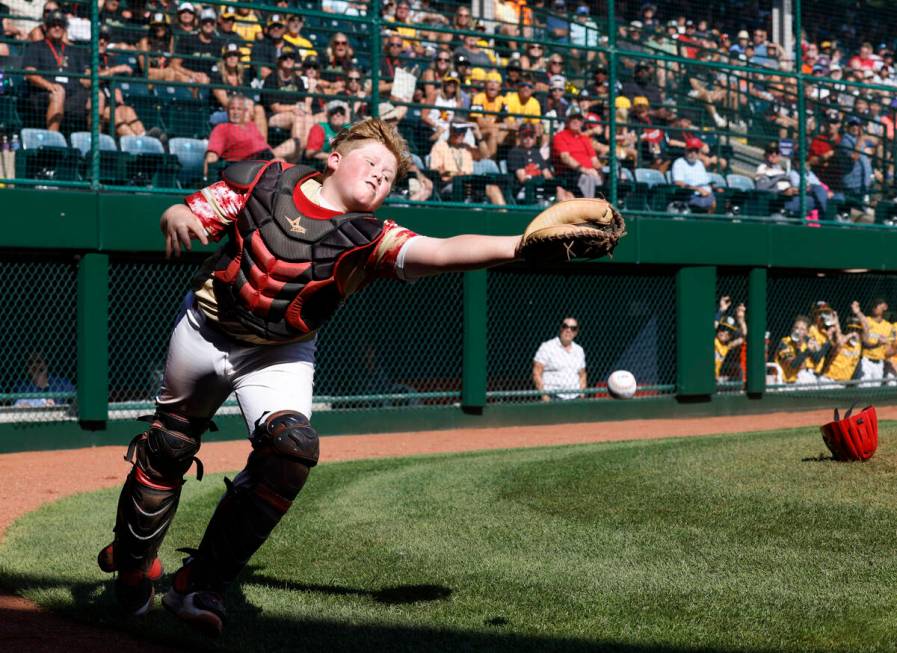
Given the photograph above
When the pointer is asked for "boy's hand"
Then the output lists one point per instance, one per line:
(180, 226)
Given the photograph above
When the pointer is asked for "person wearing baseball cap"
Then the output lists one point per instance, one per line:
(490, 99)
(532, 172)
(265, 51)
(195, 54)
(689, 172)
(187, 22)
(730, 334)
(293, 35)
(574, 156)
(322, 133)
(232, 73)
(283, 95)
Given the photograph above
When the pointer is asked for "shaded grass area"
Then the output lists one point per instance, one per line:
(732, 543)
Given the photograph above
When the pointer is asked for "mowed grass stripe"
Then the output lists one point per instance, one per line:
(740, 543)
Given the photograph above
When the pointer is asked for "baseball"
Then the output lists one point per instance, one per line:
(621, 385)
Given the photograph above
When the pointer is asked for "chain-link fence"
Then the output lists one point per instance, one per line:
(378, 351)
(626, 321)
(790, 107)
(38, 365)
(144, 298)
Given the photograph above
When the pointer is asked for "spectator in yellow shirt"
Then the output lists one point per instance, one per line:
(491, 126)
(843, 361)
(248, 26)
(293, 36)
(522, 102)
(797, 354)
(877, 338)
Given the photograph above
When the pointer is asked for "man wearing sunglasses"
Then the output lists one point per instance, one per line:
(560, 364)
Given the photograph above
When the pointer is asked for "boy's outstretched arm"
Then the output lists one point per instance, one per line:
(427, 256)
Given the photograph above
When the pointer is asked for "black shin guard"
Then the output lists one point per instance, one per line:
(285, 448)
(150, 496)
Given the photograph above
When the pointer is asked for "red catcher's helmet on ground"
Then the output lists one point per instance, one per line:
(852, 438)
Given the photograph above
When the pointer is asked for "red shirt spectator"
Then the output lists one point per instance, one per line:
(233, 142)
(865, 60)
(574, 143)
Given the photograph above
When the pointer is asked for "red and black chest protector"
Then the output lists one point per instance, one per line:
(283, 273)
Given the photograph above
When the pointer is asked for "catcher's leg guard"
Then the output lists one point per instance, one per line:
(149, 498)
(285, 448)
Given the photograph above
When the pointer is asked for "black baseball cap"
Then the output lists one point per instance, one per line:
(56, 17)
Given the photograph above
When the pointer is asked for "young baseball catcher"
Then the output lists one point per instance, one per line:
(297, 245)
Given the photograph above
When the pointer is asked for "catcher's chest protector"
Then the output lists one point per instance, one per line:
(852, 438)
(284, 273)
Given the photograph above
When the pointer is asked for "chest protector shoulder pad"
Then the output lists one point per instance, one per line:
(283, 273)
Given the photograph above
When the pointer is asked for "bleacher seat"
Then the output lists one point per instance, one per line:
(749, 200)
(740, 182)
(649, 177)
(653, 191)
(191, 153)
(45, 154)
(149, 165)
(112, 162)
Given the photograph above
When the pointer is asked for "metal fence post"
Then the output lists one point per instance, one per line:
(756, 338)
(612, 100)
(695, 305)
(93, 338)
(95, 98)
(473, 367)
(801, 112)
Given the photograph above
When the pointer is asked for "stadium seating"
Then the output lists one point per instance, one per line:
(191, 153)
(149, 164)
(45, 154)
(112, 161)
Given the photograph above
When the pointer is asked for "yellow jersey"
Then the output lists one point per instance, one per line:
(305, 47)
(845, 361)
(874, 348)
(530, 108)
(720, 350)
(481, 102)
(786, 353)
(814, 333)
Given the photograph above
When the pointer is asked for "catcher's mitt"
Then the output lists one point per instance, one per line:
(582, 228)
(852, 438)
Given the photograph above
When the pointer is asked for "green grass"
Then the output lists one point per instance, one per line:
(735, 543)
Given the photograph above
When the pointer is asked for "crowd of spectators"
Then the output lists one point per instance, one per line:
(820, 349)
(489, 90)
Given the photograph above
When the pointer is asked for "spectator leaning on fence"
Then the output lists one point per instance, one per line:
(560, 364)
(878, 335)
(689, 172)
(239, 139)
(796, 354)
(843, 361)
(730, 334)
